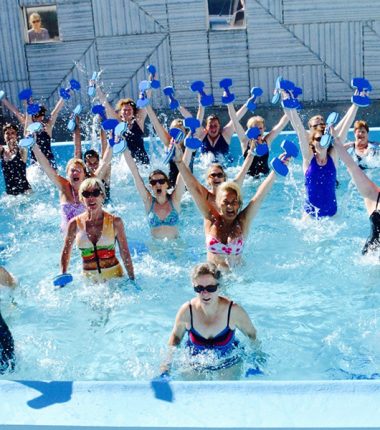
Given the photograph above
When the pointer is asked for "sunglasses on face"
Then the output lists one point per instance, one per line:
(321, 124)
(209, 288)
(38, 20)
(216, 175)
(154, 182)
(94, 193)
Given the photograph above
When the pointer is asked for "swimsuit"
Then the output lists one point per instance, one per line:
(259, 164)
(223, 344)
(171, 219)
(215, 246)
(70, 210)
(320, 183)
(373, 241)
(43, 140)
(135, 141)
(14, 172)
(373, 152)
(103, 249)
(7, 359)
(221, 147)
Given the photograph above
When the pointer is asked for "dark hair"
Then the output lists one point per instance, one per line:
(129, 102)
(9, 125)
(360, 123)
(159, 172)
(41, 111)
(205, 269)
(212, 117)
(91, 153)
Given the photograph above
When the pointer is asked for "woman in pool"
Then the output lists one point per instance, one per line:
(319, 167)
(127, 111)
(369, 191)
(365, 153)
(161, 207)
(226, 225)
(210, 321)
(95, 232)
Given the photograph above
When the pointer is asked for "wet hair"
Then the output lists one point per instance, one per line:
(215, 166)
(76, 162)
(227, 187)
(10, 125)
(91, 184)
(91, 153)
(360, 123)
(255, 120)
(123, 102)
(313, 118)
(159, 172)
(205, 269)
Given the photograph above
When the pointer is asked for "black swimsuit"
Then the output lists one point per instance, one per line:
(135, 142)
(43, 140)
(14, 172)
(6, 348)
(259, 164)
(373, 241)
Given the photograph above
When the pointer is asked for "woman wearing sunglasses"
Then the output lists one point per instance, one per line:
(162, 208)
(96, 232)
(210, 321)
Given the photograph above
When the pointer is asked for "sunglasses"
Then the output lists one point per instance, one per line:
(209, 288)
(33, 22)
(216, 175)
(94, 193)
(154, 182)
(321, 124)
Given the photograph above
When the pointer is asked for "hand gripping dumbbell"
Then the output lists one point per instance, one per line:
(26, 95)
(154, 83)
(143, 100)
(72, 124)
(92, 87)
(169, 92)
(65, 92)
(191, 141)
(177, 135)
(327, 138)
(119, 142)
(255, 93)
(29, 140)
(227, 97)
(363, 87)
(261, 148)
(206, 99)
(277, 163)
(292, 92)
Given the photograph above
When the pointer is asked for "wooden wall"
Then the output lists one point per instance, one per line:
(320, 45)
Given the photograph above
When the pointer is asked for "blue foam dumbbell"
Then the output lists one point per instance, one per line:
(29, 140)
(261, 148)
(118, 143)
(169, 92)
(255, 93)
(26, 95)
(292, 91)
(177, 135)
(191, 141)
(65, 93)
(227, 97)
(62, 280)
(327, 138)
(154, 83)
(91, 91)
(72, 124)
(206, 99)
(143, 100)
(363, 87)
(291, 150)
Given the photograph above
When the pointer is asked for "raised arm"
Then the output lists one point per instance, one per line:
(160, 130)
(54, 113)
(180, 183)
(303, 138)
(105, 163)
(238, 127)
(77, 140)
(12, 108)
(143, 191)
(58, 180)
(239, 179)
(250, 211)
(346, 122)
(110, 111)
(184, 112)
(276, 130)
(123, 247)
(68, 245)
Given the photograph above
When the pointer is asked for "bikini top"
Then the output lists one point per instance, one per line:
(105, 246)
(70, 210)
(215, 246)
(222, 340)
(171, 219)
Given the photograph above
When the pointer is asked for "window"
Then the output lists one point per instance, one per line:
(41, 24)
(226, 14)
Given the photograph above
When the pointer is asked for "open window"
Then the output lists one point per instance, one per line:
(226, 14)
(41, 24)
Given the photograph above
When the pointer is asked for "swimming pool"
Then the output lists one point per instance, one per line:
(312, 296)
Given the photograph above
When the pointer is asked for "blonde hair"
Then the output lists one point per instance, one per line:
(228, 187)
(313, 118)
(76, 162)
(254, 120)
(123, 102)
(205, 269)
(34, 15)
(91, 184)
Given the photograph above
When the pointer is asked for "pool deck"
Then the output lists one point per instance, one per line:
(157, 404)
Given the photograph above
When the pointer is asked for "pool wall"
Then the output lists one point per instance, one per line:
(250, 404)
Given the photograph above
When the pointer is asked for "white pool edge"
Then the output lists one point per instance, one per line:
(240, 404)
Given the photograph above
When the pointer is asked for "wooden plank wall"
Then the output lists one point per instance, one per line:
(319, 45)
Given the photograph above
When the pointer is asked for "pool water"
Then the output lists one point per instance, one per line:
(313, 298)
